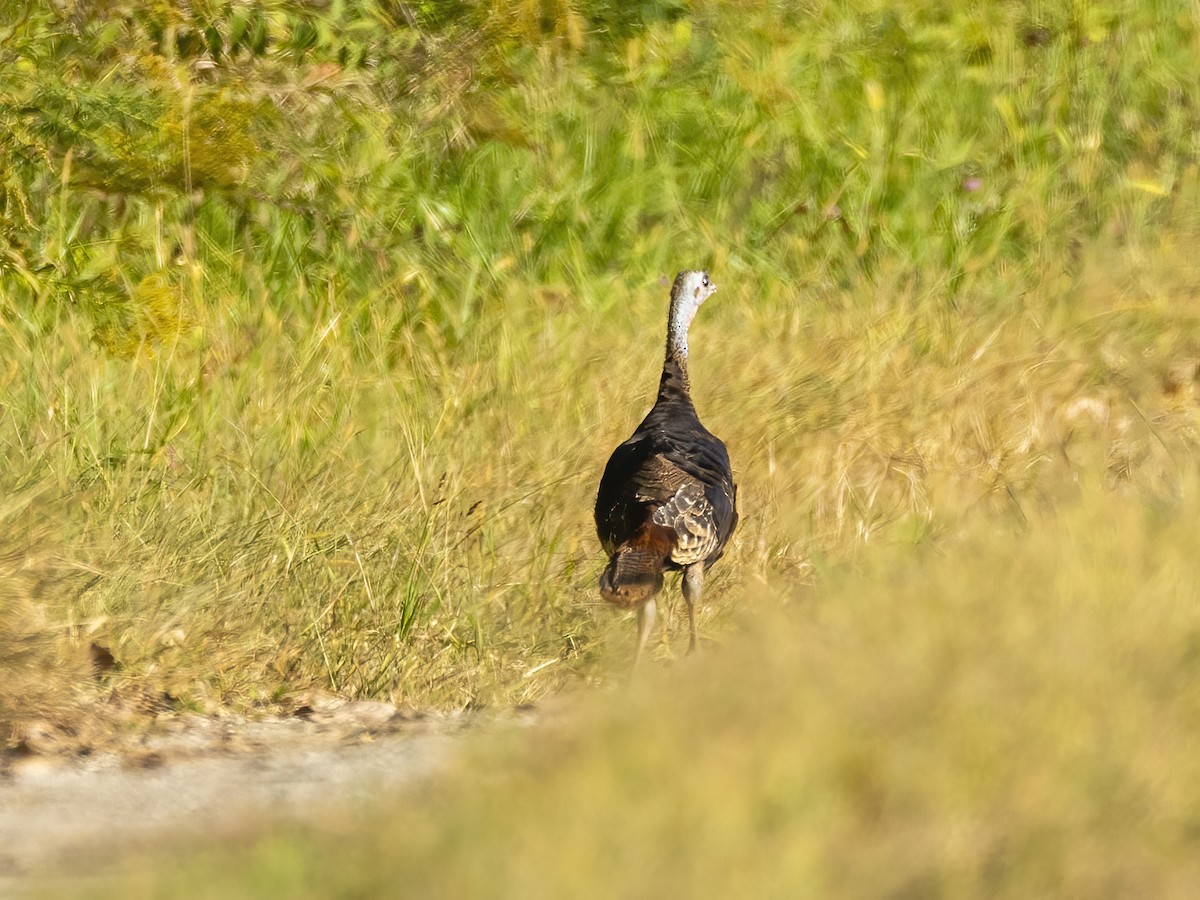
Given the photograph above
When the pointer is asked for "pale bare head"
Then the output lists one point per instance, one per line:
(688, 292)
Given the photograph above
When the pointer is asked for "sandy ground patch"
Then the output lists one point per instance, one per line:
(71, 817)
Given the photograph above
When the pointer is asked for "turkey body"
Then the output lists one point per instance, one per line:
(667, 500)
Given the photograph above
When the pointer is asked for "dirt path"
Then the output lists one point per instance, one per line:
(63, 817)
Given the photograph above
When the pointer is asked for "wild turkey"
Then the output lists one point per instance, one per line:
(667, 500)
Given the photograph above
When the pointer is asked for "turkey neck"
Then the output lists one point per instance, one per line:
(675, 385)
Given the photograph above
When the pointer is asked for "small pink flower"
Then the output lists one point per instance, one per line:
(972, 184)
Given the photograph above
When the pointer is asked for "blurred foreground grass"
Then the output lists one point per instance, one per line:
(1012, 713)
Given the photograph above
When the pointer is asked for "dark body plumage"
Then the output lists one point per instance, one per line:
(667, 501)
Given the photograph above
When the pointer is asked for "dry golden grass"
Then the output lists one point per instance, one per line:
(1008, 712)
(343, 504)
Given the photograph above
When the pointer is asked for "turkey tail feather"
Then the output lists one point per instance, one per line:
(635, 572)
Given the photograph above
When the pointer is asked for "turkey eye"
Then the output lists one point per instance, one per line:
(704, 281)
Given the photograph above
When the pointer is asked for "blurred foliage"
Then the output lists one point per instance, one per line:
(427, 153)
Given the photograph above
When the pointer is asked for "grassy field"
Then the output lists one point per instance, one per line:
(1011, 714)
(318, 322)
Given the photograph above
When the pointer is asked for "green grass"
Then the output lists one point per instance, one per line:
(310, 361)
